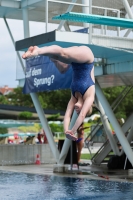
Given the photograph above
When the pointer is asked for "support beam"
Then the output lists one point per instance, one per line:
(118, 28)
(86, 10)
(11, 4)
(128, 9)
(13, 41)
(129, 12)
(90, 25)
(36, 101)
(130, 134)
(46, 16)
(67, 142)
(105, 27)
(128, 32)
(107, 127)
(26, 22)
(123, 60)
(129, 138)
(45, 126)
(19, 4)
(68, 10)
(27, 3)
(66, 26)
(107, 148)
(125, 144)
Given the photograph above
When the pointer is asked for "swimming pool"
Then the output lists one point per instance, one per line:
(18, 186)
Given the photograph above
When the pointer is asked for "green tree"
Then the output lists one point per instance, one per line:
(124, 108)
(3, 99)
(19, 99)
(42, 101)
(56, 100)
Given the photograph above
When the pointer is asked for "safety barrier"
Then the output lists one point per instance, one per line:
(25, 154)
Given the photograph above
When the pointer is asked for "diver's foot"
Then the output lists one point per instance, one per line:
(32, 51)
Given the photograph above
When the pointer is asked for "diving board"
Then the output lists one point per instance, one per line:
(95, 19)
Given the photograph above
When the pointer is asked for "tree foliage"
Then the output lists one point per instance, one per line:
(124, 108)
(58, 100)
(3, 100)
(17, 98)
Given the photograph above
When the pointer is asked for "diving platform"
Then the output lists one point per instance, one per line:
(111, 72)
(68, 38)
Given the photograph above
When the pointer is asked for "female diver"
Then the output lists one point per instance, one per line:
(81, 59)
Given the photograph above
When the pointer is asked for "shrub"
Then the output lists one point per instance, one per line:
(25, 115)
(3, 130)
(53, 117)
(35, 129)
(56, 127)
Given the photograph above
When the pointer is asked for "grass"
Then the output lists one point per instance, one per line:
(86, 156)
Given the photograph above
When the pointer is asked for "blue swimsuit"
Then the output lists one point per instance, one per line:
(81, 79)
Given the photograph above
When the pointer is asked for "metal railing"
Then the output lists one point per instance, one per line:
(72, 4)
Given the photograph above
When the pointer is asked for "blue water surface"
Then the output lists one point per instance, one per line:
(17, 186)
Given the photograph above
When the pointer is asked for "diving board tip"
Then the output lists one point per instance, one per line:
(95, 19)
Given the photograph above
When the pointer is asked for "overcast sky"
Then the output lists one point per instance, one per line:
(8, 59)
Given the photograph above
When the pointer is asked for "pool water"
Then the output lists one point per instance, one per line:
(17, 186)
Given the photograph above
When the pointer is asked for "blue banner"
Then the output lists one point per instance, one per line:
(42, 75)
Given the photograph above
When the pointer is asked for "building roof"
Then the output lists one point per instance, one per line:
(5, 90)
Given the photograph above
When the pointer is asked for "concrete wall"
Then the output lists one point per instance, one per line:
(13, 154)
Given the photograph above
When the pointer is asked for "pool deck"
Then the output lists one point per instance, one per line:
(89, 171)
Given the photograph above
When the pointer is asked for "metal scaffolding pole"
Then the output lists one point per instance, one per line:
(70, 7)
(13, 41)
(46, 16)
(88, 10)
(45, 126)
(128, 9)
(107, 127)
(125, 144)
(26, 22)
(129, 12)
(129, 138)
(67, 142)
(36, 101)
